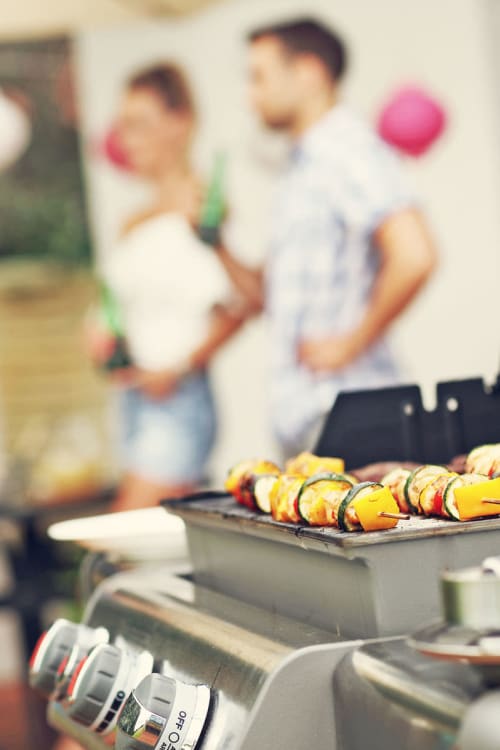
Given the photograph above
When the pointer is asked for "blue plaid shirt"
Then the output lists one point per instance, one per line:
(341, 182)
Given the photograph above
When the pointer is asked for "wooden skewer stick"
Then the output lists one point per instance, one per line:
(490, 501)
(399, 516)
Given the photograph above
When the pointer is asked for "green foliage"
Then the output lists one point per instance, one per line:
(47, 223)
(42, 205)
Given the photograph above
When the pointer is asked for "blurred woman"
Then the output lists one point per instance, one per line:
(174, 298)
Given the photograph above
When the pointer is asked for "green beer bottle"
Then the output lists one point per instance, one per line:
(213, 208)
(110, 311)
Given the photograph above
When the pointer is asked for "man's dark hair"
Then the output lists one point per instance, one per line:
(308, 36)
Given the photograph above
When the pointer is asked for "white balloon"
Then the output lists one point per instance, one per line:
(15, 131)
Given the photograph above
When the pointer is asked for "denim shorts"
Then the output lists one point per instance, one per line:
(169, 441)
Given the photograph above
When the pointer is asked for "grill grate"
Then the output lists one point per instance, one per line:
(222, 510)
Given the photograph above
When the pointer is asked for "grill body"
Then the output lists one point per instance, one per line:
(299, 632)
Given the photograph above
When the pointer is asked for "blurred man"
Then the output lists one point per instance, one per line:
(349, 250)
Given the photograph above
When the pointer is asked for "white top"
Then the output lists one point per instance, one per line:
(166, 282)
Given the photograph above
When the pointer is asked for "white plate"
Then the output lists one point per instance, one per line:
(134, 534)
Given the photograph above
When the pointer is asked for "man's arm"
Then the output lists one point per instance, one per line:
(408, 257)
(225, 323)
(248, 281)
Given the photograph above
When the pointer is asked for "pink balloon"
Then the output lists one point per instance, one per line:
(113, 150)
(412, 121)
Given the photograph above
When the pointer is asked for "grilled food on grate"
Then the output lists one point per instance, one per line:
(324, 499)
(315, 491)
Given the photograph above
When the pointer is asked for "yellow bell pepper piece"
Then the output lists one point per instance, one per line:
(369, 507)
(309, 464)
(333, 465)
(470, 500)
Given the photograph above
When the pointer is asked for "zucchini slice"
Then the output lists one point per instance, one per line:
(449, 502)
(262, 490)
(431, 499)
(416, 482)
(347, 519)
(241, 480)
(312, 500)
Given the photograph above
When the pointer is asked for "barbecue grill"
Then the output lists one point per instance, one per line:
(275, 635)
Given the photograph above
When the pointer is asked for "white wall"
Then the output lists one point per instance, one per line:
(452, 331)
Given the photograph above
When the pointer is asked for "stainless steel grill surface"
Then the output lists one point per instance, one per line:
(275, 636)
(361, 585)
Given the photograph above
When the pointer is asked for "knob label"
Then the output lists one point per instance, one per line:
(178, 728)
(183, 709)
(181, 719)
(173, 739)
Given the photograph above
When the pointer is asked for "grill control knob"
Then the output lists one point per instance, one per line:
(100, 684)
(164, 714)
(51, 655)
(87, 640)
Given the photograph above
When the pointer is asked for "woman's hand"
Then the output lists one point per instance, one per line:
(124, 377)
(98, 343)
(156, 385)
